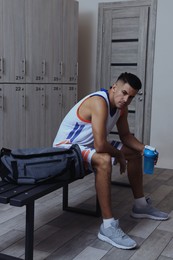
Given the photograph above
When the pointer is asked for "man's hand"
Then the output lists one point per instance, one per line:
(156, 159)
(122, 161)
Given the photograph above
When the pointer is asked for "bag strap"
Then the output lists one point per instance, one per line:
(5, 151)
(15, 170)
(3, 170)
(4, 173)
(78, 153)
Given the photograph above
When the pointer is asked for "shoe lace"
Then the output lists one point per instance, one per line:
(118, 231)
(148, 200)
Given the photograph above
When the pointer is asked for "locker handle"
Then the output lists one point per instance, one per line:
(23, 67)
(23, 101)
(43, 100)
(77, 69)
(61, 68)
(60, 99)
(43, 67)
(2, 103)
(1, 65)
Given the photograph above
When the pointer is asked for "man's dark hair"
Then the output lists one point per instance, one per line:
(131, 79)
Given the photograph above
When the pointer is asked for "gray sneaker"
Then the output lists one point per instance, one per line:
(115, 236)
(149, 212)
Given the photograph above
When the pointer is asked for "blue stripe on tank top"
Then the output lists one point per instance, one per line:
(77, 133)
(73, 131)
(115, 143)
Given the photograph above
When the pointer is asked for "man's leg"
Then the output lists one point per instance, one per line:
(109, 231)
(141, 208)
(134, 171)
(102, 166)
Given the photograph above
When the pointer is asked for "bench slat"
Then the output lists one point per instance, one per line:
(13, 191)
(5, 186)
(2, 183)
(6, 257)
(35, 193)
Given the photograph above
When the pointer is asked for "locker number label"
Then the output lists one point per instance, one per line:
(39, 89)
(19, 77)
(19, 88)
(56, 79)
(39, 78)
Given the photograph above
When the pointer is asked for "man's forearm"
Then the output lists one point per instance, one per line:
(106, 147)
(132, 142)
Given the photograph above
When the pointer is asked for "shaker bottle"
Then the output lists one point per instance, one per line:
(150, 155)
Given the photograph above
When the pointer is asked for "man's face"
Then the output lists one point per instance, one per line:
(123, 94)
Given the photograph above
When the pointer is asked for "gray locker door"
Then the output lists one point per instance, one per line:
(14, 40)
(69, 98)
(53, 109)
(70, 41)
(1, 43)
(38, 48)
(1, 114)
(124, 48)
(13, 116)
(56, 41)
(35, 115)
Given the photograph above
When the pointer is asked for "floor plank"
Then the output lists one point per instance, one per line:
(70, 236)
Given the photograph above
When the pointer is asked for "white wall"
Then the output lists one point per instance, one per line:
(162, 120)
(162, 104)
(88, 19)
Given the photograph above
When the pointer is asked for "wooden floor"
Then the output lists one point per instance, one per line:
(65, 235)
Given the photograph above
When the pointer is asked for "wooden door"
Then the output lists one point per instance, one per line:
(70, 41)
(13, 41)
(35, 115)
(53, 109)
(124, 48)
(13, 116)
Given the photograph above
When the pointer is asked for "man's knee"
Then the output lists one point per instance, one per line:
(131, 154)
(102, 161)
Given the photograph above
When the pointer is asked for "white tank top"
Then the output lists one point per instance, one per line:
(74, 129)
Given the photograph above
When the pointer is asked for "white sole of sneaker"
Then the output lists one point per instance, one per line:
(106, 239)
(147, 216)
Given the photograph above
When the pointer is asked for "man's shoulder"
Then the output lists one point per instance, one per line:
(100, 94)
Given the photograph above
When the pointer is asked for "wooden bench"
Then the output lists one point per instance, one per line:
(25, 195)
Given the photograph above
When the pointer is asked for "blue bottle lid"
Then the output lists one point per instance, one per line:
(150, 151)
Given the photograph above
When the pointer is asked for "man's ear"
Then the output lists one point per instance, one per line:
(114, 86)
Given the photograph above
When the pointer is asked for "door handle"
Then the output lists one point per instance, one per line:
(140, 93)
(1, 65)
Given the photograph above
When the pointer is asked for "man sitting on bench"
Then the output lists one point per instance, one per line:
(88, 124)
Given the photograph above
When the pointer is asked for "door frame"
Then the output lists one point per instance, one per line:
(152, 4)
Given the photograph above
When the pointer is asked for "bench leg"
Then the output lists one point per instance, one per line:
(122, 184)
(96, 213)
(29, 231)
(29, 235)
